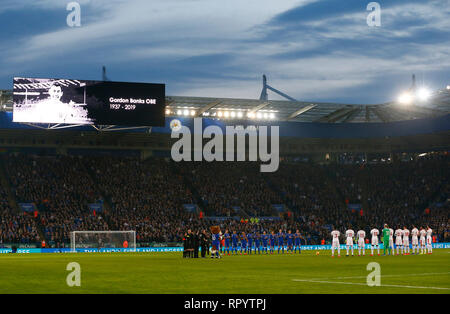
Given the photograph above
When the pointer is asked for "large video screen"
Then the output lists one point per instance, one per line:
(67, 101)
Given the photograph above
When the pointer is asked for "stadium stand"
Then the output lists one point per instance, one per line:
(145, 196)
(15, 227)
(148, 196)
(230, 187)
(60, 188)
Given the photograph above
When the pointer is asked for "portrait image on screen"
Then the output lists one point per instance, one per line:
(88, 102)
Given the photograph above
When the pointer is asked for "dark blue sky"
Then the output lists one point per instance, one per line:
(318, 50)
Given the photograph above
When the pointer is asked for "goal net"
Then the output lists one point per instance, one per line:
(103, 240)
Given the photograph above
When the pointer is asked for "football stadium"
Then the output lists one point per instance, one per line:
(200, 152)
(105, 196)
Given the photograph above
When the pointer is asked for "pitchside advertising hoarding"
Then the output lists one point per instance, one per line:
(444, 245)
(68, 101)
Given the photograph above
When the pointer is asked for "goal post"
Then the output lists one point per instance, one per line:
(103, 240)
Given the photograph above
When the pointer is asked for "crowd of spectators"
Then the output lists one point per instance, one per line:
(15, 226)
(396, 193)
(229, 187)
(148, 196)
(60, 188)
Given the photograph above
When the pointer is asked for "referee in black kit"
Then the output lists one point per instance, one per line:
(187, 244)
(195, 243)
(204, 243)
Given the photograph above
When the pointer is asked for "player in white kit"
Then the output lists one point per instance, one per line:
(429, 246)
(335, 243)
(361, 237)
(374, 232)
(415, 240)
(399, 241)
(349, 235)
(405, 241)
(422, 241)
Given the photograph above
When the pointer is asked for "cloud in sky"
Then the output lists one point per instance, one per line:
(310, 49)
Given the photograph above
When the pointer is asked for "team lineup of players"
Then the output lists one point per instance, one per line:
(234, 243)
(401, 241)
(261, 243)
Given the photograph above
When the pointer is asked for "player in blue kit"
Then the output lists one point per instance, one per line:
(280, 237)
(244, 243)
(264, 239)
(272, 238)
(297, 242)
(250, 242)
(227, 237)
(234, 242)
(290, 242)
(257, 239)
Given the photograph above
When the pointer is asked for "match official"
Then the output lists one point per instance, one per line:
(195, 243)
(204, 243)
(188, 247)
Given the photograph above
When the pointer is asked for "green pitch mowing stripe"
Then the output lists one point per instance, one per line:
(170, 273)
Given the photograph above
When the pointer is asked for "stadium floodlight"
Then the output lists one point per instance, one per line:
(226, 114)
(239, 114)
(251, 114)
(179, 112)
(103, 240)
(259, 115)
(186, 112)
(219, 114)
(405, 98)
(272, 115)
(448, 86)
(167, 111)
(233, 114)
(192, 112)
(423, 94)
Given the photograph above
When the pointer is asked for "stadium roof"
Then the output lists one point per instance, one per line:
(438, 104)
(300, 111)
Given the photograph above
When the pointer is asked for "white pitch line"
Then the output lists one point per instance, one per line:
(383, 276)
(365, 284)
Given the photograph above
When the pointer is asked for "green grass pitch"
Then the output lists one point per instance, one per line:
(170, 273)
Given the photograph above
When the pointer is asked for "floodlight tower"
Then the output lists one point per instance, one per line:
(266, 86)
(408, 97)
(104, 77)
(264, 95)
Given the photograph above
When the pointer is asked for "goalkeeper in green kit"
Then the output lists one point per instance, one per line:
(386, 234)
